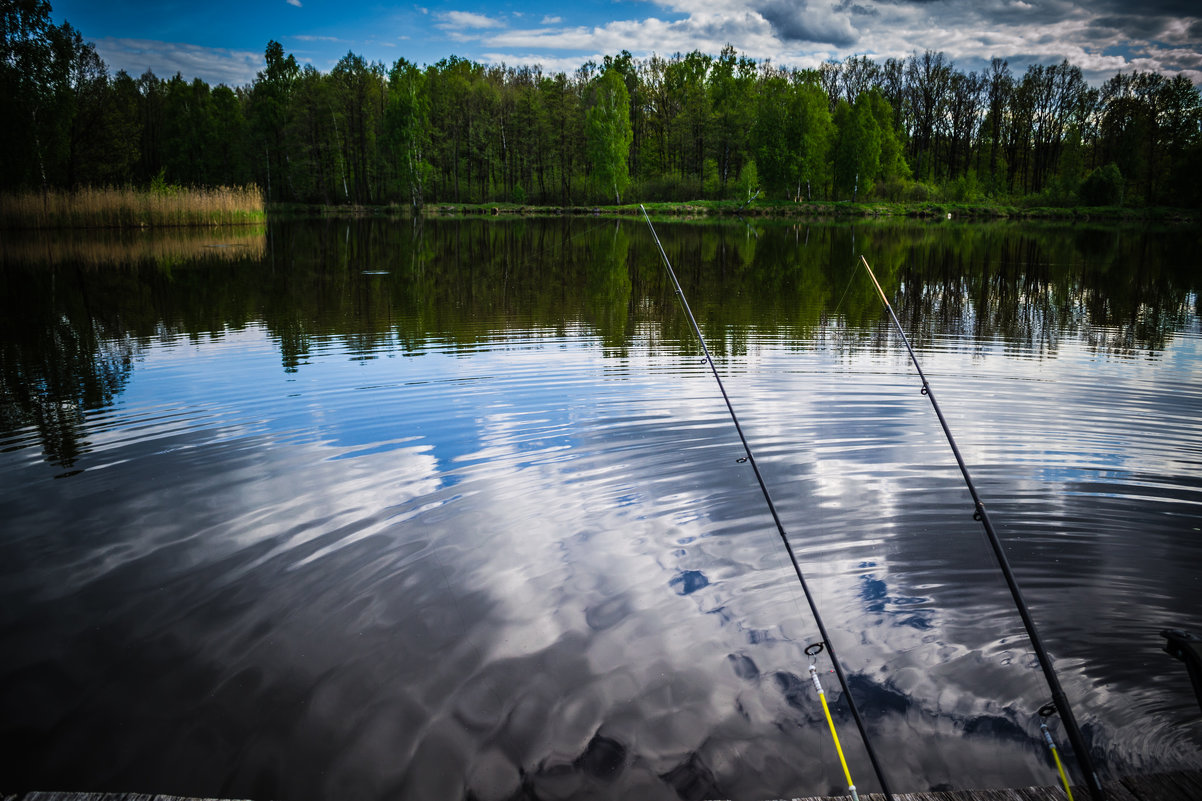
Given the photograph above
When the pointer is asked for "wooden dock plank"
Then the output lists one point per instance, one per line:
(1174, 786)
(1161, 787)
(1115, 791)
(1191, 781)
(41, 795)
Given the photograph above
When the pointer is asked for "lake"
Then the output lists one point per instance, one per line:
(375, 508)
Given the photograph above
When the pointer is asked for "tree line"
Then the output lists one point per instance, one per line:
(684, 127)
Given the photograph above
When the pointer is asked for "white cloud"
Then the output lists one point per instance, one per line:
(807, 22)
(296, 3)
(706, 32)
(214, 65)
(465, 19)
(1022, 35)
(550, 65)
(790, 33)
(808, 32)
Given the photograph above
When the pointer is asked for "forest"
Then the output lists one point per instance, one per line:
(676, 128)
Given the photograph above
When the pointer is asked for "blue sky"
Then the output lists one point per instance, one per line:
(223, 41)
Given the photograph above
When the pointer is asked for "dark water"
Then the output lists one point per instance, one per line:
(362, 510)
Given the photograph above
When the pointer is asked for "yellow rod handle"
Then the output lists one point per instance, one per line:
(1063, 777)
(834, 734)
(1047, 736)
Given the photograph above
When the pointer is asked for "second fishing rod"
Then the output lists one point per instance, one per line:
(749, 458)
(980, 514)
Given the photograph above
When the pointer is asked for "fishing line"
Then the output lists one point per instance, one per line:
(749, 458)
(1058, 697)
(843, 297)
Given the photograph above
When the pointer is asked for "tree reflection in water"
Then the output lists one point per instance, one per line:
(77, 308)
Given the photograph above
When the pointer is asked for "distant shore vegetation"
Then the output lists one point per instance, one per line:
(687, 127)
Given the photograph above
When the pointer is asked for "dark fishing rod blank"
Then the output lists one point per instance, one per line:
(750, 459)
(981, 515)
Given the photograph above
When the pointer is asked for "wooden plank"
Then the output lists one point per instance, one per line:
(1174, 786)
(41, 795)
(1115, 791)
(1190, 781)
(1159, 787)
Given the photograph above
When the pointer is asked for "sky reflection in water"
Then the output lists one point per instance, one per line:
(374, 510)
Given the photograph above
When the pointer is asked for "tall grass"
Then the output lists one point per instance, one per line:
(111, 207)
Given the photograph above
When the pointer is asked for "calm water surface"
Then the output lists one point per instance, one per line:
(366, 510)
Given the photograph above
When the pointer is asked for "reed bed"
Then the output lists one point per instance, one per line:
(117, 207)
(165, 247)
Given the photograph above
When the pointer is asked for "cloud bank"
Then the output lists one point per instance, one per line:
(1102, 38)
(214, 65)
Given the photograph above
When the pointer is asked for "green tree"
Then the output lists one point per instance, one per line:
(1072, 166)
(776, 151)
(110, 153)
(893, 164)
(609, 134)
(358, 87)
(683, 127)
(1180, 105)
(999, 86)
(407, 127)
(270, 108)
(227, 142)
(190, 135)
(453, 116)
(79, 88)
(25, 58)
(564, 123)
(315, 146)
(689, 127)
(814, 128)
(857, 149)
(1103, 187)
(731, 86)
(792, 132)
(749, 181)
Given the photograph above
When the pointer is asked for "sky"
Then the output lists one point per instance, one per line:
(222, 41)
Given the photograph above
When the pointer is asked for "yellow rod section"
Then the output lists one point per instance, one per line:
(876, 283)
(1047, 736)
(834, 734)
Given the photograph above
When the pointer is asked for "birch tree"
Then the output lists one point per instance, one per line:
(609, 133)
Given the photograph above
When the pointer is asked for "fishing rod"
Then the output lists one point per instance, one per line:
(1059, 699)
(750, 459)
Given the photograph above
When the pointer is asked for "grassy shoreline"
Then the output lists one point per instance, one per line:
(173, 206)
(771, 210)
(125, 207)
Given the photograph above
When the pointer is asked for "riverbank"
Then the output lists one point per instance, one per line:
(769, 209)
(124, 207)
(171, 206)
